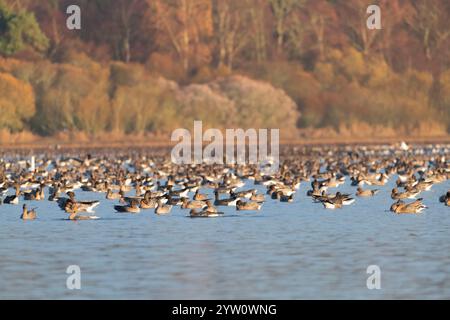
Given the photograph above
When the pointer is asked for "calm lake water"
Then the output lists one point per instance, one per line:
(285, 251)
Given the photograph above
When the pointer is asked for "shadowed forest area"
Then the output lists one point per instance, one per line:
(146, 67)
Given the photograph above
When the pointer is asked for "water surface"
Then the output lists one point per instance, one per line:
(285, 251)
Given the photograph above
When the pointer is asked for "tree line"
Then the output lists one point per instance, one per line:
(149, 65)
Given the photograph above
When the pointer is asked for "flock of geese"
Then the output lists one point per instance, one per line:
(139, 180)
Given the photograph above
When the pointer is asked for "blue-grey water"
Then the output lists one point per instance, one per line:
(285, 251)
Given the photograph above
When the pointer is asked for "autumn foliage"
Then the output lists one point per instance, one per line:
(149, 66)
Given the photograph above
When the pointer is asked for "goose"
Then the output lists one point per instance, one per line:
(73, 216)
(380, 181)
(225, 189)
(333, 182)
(342, 197)
(178, 193)
(28, 214)
(244, 194)
(114, 196)
(128, 200)
(174, 201)
(209, 207)
(257, 197)
(316, 185)
(195, 204)
(66, 187)
(251, 206)
(445, 198)
(13, 199)
(224, 202)
(29, 184)
(132, 208)
(139, 189)
(37, 194)
(401, 207)
(314, 193)
(204, 214)
(329, 204)
(336, 201)
(200, 197)
(82, 206)
(54, 193)
(162, 209)
(148, 203)
(424, 185)
(284, 198)
(366, 193)
(396, 195)
(271, 190)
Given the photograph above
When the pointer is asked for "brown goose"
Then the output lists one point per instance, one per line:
(28, 214)
(195, 204)
(401, 207)
(366, 193)
(131, 208)
(204, 214)
(251, 206)
(162, 209)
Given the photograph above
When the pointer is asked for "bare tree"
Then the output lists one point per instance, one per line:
(231, 30)
(354, 18)
(258, 34)
(282, 9)
(183, 24)
(430, 24)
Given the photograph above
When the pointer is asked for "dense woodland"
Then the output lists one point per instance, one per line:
(149, 66)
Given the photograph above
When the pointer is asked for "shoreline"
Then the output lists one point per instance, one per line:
(159, 143)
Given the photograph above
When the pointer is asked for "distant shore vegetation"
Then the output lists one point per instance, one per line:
(298, 65)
